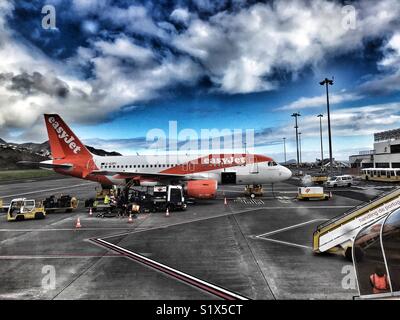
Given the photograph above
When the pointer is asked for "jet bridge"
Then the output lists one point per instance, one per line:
(337, 235)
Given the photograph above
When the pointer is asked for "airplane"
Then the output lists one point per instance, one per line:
(199, 175)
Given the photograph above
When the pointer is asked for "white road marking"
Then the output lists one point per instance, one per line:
(286, 243)
(46, 190)
(213, 217)
(289, 228)
(263, 236)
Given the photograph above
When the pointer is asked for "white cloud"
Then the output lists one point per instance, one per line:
(181, 15)
(357, 121)
(389, 80)
(320, 101)
(134, 19)
(241, 50)
(122, 73)
(124, 48)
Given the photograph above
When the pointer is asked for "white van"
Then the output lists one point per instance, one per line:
(340, 181)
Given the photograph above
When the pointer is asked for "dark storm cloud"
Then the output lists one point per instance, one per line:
(28, 84)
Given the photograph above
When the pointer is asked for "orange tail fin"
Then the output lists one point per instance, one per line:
(63, 142)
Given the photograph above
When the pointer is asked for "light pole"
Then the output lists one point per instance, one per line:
(328, 82)
(300, 147)
(284, 148)
(320, 133)
(295, 115)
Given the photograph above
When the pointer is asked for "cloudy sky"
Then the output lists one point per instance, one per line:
(117, 69)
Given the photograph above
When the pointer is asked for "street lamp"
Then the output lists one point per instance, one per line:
(328, 82)
(320, 133)
(295, 115)
(300, 147)
(284, 148)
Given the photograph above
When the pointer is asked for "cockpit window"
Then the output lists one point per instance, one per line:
(272, 163)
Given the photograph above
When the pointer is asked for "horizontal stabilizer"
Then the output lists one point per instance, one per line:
(45, 165)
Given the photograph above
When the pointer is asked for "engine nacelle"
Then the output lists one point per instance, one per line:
(202, 189)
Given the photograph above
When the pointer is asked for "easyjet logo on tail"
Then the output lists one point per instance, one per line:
(62, 134)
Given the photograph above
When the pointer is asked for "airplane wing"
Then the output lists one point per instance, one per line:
(45, 165)
(129, 174)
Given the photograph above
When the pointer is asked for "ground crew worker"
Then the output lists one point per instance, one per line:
(379, 281)
(106, 199)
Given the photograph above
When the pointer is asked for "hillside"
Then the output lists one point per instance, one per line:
(11, 153)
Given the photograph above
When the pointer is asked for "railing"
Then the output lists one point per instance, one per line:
(337, 218)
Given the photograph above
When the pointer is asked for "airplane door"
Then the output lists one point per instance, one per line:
(253, 167)
(228, 177)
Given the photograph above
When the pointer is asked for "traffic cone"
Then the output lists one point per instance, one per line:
(330, 194)
(90, 212)
(225, 201)
(130, 220)
(78, 223)
(167, 213)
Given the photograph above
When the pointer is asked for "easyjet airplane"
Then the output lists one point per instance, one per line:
(200, 176)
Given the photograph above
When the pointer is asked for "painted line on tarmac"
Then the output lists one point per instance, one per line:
(217, 216)
(286, 243)
(263, 236)
(179, 275)
(289, 228)
(46, 190)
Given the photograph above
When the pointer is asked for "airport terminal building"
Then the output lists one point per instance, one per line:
(386, 152)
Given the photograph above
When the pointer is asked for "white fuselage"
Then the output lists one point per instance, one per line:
(245, 173)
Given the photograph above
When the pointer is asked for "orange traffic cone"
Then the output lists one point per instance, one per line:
(130, 220)
(90, 212)
(225, 201)
(78, 223)
(167, 213)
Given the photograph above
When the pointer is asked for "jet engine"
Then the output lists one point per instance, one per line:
(202, 189)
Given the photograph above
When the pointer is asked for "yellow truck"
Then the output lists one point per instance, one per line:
(24, 209)
(312, 193)
(319, 179)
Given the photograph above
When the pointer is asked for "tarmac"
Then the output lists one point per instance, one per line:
(246, 249)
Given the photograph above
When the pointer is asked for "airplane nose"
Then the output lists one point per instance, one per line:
(286, 174)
